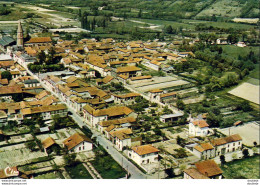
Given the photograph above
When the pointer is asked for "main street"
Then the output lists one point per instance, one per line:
(123, 161)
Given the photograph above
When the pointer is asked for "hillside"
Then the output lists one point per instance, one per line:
(164, 9)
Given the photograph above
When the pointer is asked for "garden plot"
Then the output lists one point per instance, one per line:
(247, 91)
(193, 99)
(161, 85)
(169, 146)
(38, 167)
(18, 157)
(49, 175)
(20, 138)
(156, 80)
(60, 135)
(249, 132)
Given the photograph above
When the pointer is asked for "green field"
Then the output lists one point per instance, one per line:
(108, 167)
(255, 73)
(236, 51)
(248, 168)
(49, 175)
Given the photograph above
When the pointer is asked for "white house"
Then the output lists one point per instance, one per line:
(155, 65)
(46, 111)
(241, 44)
(227, 144)
(204, 151)
(126, 99)
(121, 138)
(78, 143)
(154, 95)
(144, 154)
(198, 128)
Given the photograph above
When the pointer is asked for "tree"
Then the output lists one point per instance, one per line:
(213, 120)
(180, 141)
(41, 57)
(69, 159)
(245, 153)
(244, 105)
(222, 159)
(234, 156)
(233, 38)
(140, 13)
(17, 97)
(68, 36)
(6, 75)
(31, 145)
(180, 104)
(168, 29)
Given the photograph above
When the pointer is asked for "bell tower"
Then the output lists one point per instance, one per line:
(19, 34)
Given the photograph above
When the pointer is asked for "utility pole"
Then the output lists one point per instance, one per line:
(158, 169)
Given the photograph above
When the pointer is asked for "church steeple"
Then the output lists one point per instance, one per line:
(19, 34)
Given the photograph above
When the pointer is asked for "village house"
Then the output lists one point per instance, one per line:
(144, 154)
(126, 99)
(127, 122)
(198, 128)
(24, 59)
(78, 143)
(168, 96)
(204, 170)
(154, 95)
(39, 41)
(31, 83)
(153, 64)
(129, 71)
(49, 144)
(227, 144)
(241, 44)
(45, 111)
(204, 151)
(171, 117)
(94, 116)
(121, 138)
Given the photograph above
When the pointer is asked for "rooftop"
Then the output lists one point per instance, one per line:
(145, 149)
(75, 139)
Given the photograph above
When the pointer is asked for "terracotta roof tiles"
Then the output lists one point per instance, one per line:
(145, 149)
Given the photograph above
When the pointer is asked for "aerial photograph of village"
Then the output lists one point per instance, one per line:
(129, 89)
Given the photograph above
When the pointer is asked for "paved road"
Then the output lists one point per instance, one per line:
(127, 165)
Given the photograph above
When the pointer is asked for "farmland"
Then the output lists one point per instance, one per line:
(246, 168)
(247, 91)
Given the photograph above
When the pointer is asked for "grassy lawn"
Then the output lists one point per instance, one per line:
(108, 167)
(236, 51)
(248, 168)
(78, 172)
(255, 73)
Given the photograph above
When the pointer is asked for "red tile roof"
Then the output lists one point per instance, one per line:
(145, 149)
(200, 123)
(39, 40)
(208, 168)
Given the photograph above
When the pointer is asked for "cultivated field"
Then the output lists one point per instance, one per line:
(249, 132)
(246, 20)
(222, 8)
(247, 91)
(245, 168)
